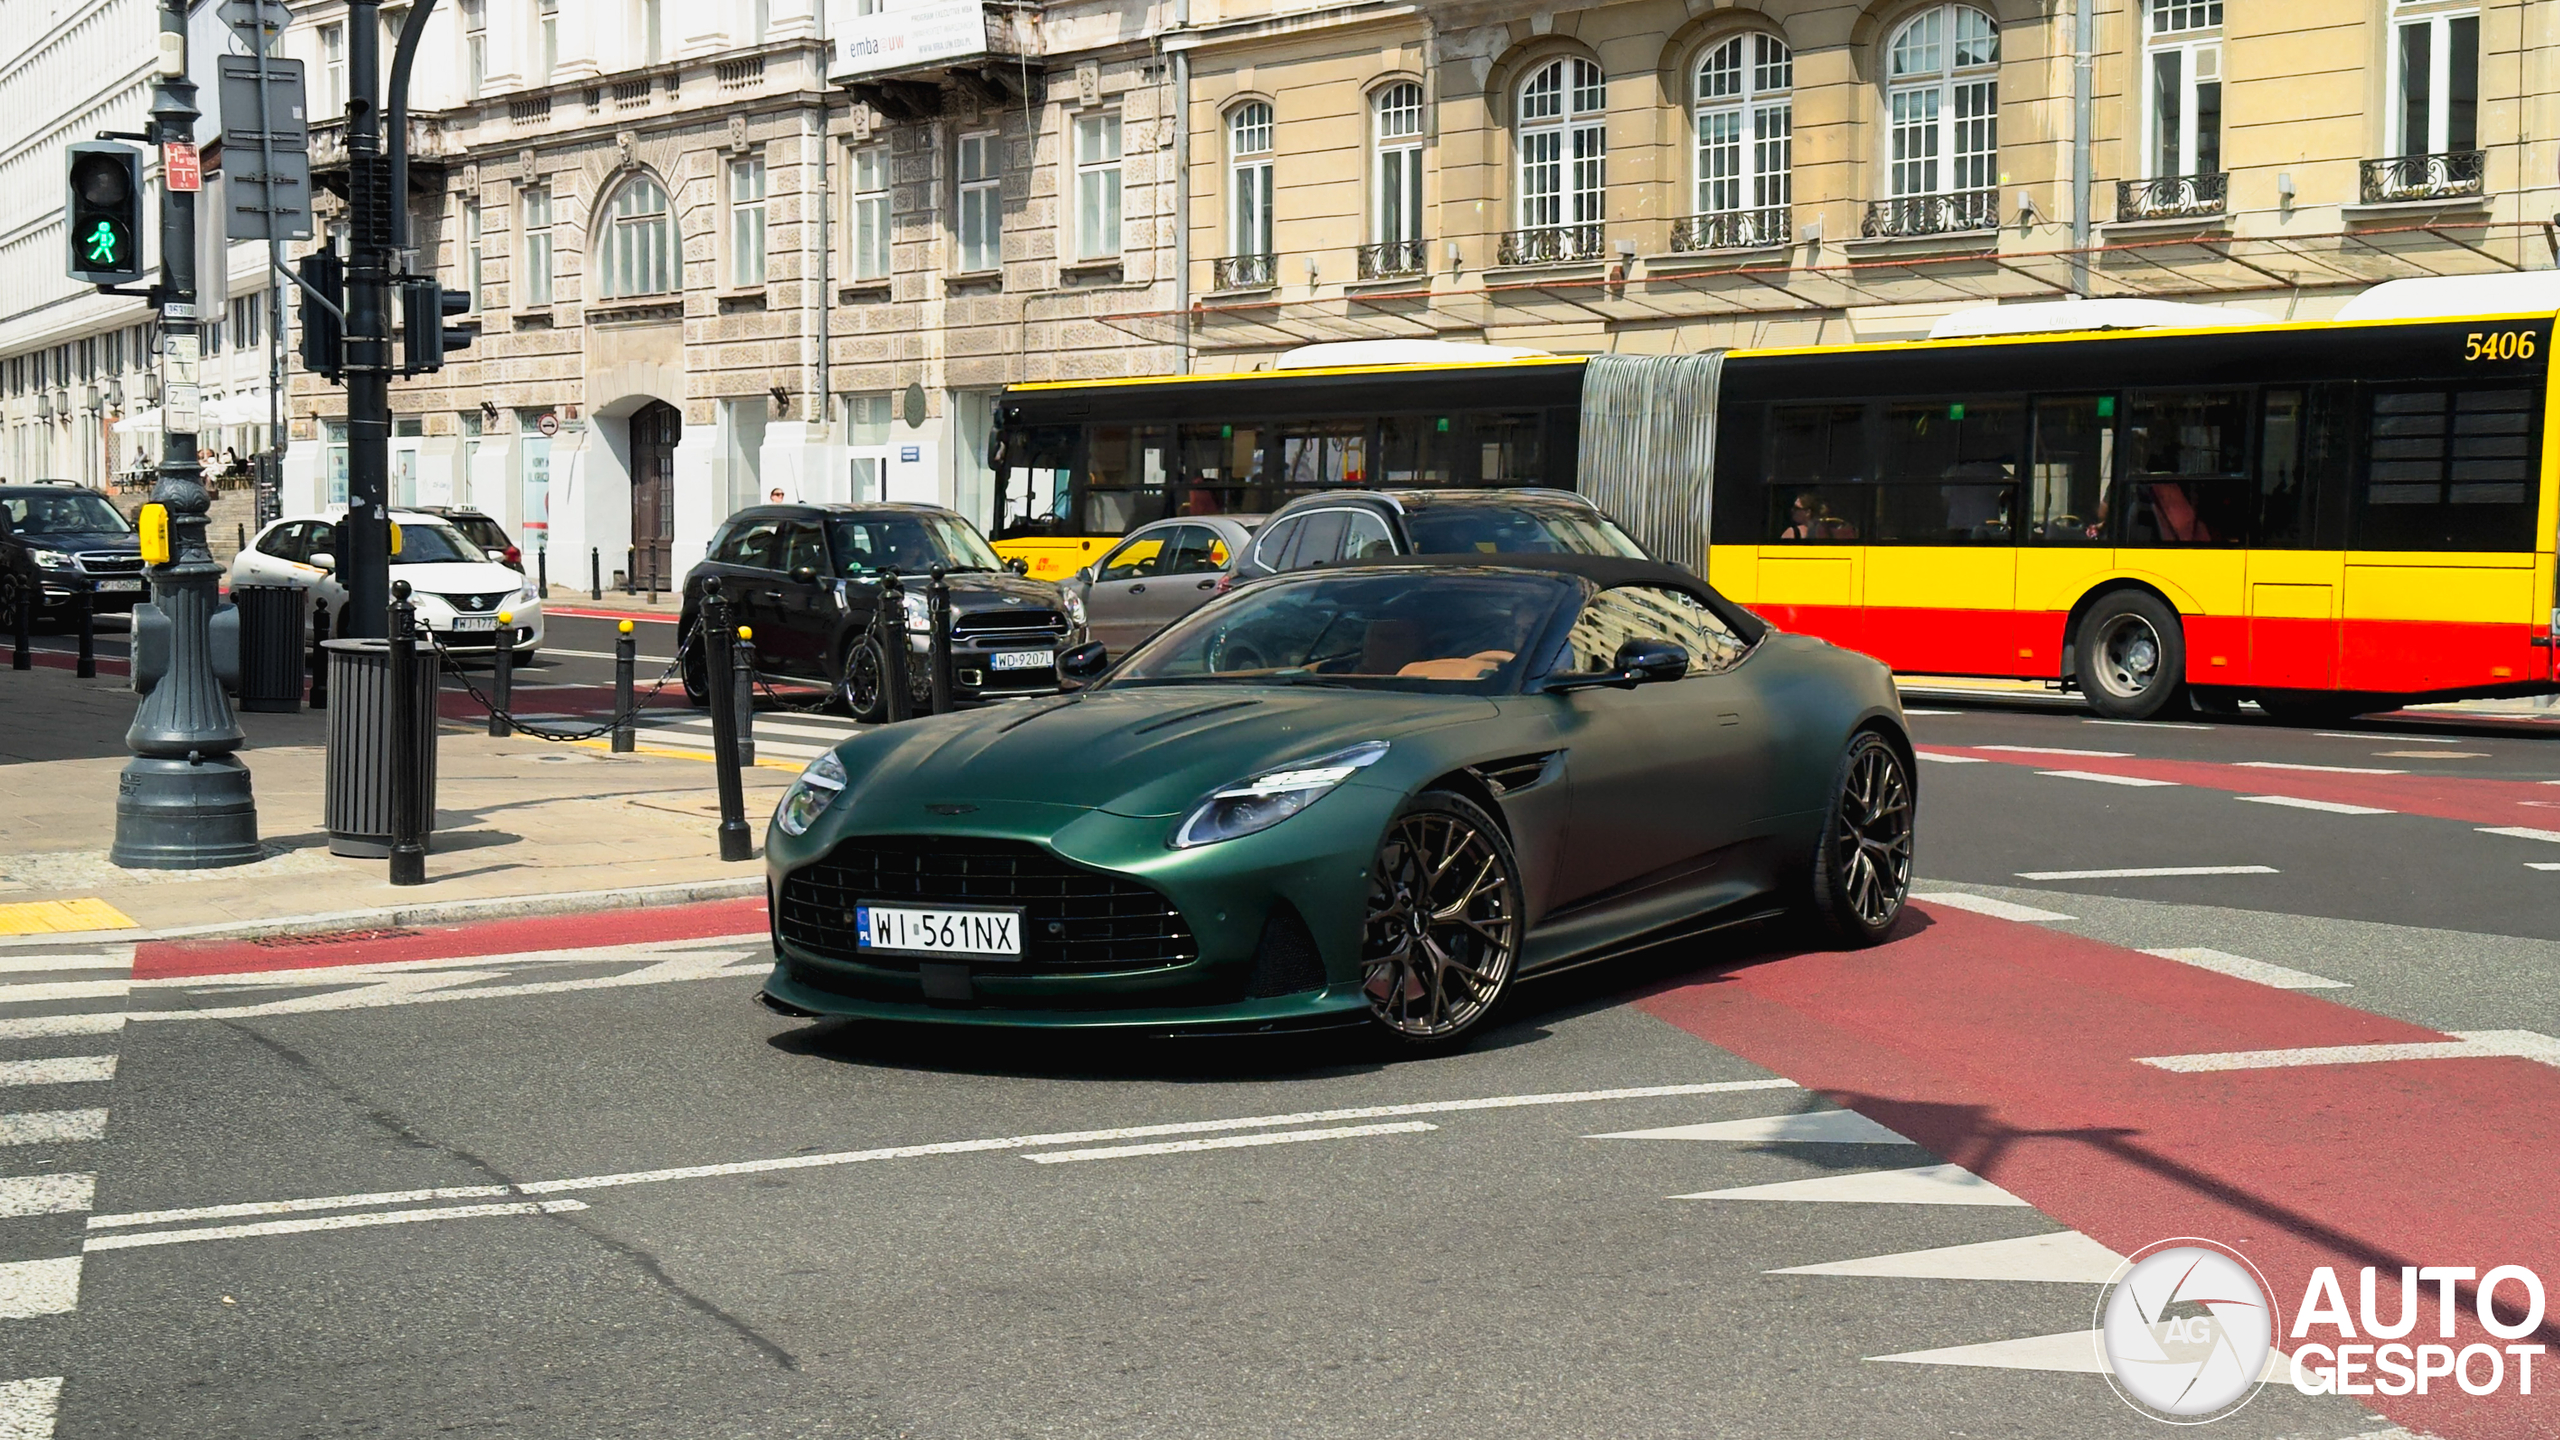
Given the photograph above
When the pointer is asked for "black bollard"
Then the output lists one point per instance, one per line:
(736, 841)
(23, 620)
(502, 688)
(631, 570)
(742, 686)
(319, 653)
(542, 573)
(626, 656)
(408, 844)
(937, 609)
(889, 627)
(595, 574)
(85, 595)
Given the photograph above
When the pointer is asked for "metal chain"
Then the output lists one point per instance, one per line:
(675, 667)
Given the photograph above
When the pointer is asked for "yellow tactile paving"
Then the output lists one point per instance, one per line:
(62, 917)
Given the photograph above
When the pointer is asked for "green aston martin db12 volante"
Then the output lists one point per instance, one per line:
(1380, 793)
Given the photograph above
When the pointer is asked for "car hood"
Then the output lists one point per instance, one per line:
(976, 590)
(1136, 752)
(459, 577)
(101, 540)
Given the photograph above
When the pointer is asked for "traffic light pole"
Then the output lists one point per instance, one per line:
(184, 801)
(364, 540)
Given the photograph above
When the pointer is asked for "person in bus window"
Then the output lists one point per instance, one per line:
(1810, 518)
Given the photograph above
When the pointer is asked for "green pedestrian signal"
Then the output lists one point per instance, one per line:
(102, 215)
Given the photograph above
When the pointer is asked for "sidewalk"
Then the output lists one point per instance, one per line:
(522, 826)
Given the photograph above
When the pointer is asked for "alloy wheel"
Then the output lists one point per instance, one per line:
(2128, 655)
(861, 686)
(1440, 935)
(1872, 848)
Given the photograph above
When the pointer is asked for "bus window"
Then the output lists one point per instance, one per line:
(1821, 514)
(1417, 450)
(2185, 469)
(1219, 471)
(1315, 455)
(1507, 451)
(1125, 472)
(2449, 470)
(2075, 466)
(1951, 472)
(1032, 469)
(1818, 443)
(2284, 501)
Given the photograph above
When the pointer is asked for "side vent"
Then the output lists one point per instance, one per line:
(1516, 772)
(1287, 961)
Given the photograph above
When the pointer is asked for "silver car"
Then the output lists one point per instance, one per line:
(1156, 575)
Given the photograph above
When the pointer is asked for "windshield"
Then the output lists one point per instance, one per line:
(1406, 630)
(422, 543)
(1500, 529)
(74, 512)
(908, 544)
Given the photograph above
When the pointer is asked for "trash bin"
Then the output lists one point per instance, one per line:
(271, 662)
(356, 800)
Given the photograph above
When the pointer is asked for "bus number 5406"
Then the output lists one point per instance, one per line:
(2498, 345)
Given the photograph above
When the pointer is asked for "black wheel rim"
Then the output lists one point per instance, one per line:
(1873, 854)
(1440, 935)
(862, 680)
(2128, 656)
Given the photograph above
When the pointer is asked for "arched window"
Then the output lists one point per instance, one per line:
(639, 241)
(1942, 101)
(1397, 133)
(1249, 146)
(1746, 130)
(1564, 156)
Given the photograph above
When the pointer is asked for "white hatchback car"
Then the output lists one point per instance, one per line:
(458, 589)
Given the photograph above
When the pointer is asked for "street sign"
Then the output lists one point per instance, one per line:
(179, 167)
(184, 412)
(265, 151)
(253, 17)
(549, 424)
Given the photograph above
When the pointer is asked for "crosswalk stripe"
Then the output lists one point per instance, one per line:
(39, 964)
(2064, 1258)
(33, 1027)
(58, 1070)
(47, 1194)
(39, 1287)
(1819, 1127)
(46, 1127)
(27, 1406)
(64, 990)
(2074, 1352)
(1920, 1185)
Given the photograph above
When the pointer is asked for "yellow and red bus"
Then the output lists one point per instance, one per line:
(2327, 517)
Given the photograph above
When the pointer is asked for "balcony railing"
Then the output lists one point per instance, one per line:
(1550, 245)
(1243, 272)
(1733, 230)
(1391, 258)
(1932, 214)
(2449, 176)
(2172, 197)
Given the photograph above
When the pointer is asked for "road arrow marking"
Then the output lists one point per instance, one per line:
(2064, 1258)
(1819, 1127)
(1922, 1185)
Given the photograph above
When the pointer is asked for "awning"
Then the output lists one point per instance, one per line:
(139, 421)
(237, 410)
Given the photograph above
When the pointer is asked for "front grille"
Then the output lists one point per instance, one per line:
(110, 562)
(472, 603)
(1073, 918)
(1008, 619)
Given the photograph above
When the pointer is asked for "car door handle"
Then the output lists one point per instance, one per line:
(1728, 717)
(768, 594)
(1211, 584)
(1137, 589)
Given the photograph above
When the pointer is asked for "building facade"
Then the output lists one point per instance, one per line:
(715, 255)
(1670, 175)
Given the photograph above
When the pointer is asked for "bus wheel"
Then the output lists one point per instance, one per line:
(2132, 656)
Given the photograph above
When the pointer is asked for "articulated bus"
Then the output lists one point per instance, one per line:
(2328, 517)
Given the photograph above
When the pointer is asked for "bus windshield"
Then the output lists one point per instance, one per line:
(1466, 632)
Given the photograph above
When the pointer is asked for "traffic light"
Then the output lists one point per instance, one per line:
(426, 339)
(103, 214)
(324, 335)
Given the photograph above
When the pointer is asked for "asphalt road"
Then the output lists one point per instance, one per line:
(503, 1182)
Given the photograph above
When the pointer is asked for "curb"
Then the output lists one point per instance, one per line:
(435, 912)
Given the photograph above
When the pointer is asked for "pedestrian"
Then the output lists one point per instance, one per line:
(776, 497)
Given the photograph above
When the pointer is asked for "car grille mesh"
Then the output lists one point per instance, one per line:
(110, 562)
(1073, 918)
(1007, 619)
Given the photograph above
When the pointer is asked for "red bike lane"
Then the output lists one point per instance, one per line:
(2013, 1051)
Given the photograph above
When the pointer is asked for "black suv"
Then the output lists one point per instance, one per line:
(1354, 525)
(807, 579)
(56, 537)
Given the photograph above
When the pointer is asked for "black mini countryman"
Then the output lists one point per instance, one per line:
(806, 578)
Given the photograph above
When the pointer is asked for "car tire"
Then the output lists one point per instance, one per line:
(1441, 935)
(2131, 656)
(1862, 863)
(859, 692)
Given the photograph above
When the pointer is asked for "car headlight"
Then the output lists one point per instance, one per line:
(525, 596)
(820, 782)
(1073, 604)
(919, 614)
(51, 559)
(1267, 799)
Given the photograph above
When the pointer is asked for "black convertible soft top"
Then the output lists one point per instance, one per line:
(1603, 571)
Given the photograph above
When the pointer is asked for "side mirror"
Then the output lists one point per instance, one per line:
(1089, 574)
(805, 574)
(322, 560)
(1640, 661)
(1084, 662)
(1018, 565)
